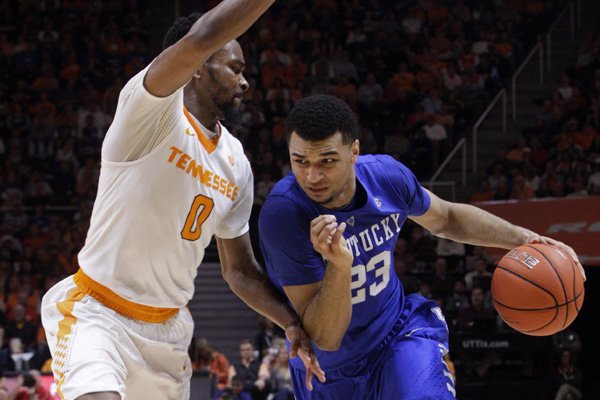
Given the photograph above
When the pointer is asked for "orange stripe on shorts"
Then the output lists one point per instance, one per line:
(65, 327)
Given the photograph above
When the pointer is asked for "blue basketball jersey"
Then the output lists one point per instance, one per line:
(393, 193)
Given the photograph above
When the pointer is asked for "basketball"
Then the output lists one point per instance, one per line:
(537, 289)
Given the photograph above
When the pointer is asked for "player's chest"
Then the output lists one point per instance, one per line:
(191, 166)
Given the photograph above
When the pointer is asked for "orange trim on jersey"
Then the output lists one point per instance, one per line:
(209, 144)
(65, 327)
(124, 307)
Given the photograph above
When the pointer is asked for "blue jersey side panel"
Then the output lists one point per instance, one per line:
(372, 230)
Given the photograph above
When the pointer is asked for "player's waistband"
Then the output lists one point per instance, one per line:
(124, 307)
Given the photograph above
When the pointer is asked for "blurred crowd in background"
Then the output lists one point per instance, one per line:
(417, 73)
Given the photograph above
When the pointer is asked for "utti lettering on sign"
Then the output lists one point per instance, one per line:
(523, 257)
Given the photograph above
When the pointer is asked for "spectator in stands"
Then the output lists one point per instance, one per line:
(29, 387)
(251, 371)
(436, 133)
(479, 277)
(235, 392)
(15, 357)
(521, 190)
(281, 380)
(453, 252)
(567, 339)
(484, 193)
(478, 319)
(19, 327)
(593, 183)
(268, 333)
(208, 359)
(410, 283)
(568, 378)
(442, 281)
(457, 301)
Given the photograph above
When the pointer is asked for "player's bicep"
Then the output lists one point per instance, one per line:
(301, 295)
(436, 216)
(175, 66)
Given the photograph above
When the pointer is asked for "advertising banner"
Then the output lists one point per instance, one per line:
(574, 221)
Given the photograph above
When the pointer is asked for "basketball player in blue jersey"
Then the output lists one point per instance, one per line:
(328, 232)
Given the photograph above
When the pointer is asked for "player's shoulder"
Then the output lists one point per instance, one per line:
(231, 142)
(286, 207)
(135, 82)
(286, 197)
(285, 190)
(377, 165)
(381, 160)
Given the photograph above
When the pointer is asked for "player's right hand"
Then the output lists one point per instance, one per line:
(300, 345)
(326, 238)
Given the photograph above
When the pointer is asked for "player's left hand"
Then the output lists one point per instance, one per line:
(567, 249)
(301, 346)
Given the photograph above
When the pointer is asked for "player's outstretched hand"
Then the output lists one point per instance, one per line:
(567, 249)
(326, 237)
(301, 346)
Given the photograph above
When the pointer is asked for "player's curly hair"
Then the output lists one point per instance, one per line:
(179, 29)
(318, 117)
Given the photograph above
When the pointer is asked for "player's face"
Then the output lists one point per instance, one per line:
(324, 169)
(226, 80)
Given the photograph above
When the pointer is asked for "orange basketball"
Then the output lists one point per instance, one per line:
(537, 289)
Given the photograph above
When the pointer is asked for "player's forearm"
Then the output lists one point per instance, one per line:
(472, 225)
(260, 295)
(328, 315)
(227, 21)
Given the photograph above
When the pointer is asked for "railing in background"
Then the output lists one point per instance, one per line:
(461, 145)
(501, 95)
(574, 8)
(451, 184)
(569, 7)
(537, 49)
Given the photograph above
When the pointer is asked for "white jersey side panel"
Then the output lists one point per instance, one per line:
(153, 217)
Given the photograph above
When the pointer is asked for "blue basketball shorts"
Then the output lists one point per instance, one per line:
(407, 365)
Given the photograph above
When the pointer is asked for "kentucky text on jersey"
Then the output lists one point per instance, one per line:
(186, 163)
(375, 235)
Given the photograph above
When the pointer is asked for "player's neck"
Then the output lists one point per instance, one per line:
(203, 114)
(356, 200)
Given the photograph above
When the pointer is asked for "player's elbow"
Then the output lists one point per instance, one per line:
(327, 340)
(232, 276)
(327, 343)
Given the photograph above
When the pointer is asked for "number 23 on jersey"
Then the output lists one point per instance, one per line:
(380, 266)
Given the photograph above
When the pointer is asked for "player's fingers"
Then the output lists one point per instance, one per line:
(326, 234)
(317, 224)
(294, 345)
(569, 250)
(309, 376)
(575, 258)
(309, 359)
(316, 369)
(337, 236)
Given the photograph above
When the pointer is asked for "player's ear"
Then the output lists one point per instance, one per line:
(355, 150)
(198, 73)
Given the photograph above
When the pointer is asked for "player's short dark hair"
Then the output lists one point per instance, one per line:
(179, 29)
(318, 117)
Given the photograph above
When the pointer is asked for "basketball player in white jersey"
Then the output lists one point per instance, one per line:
(172, 177)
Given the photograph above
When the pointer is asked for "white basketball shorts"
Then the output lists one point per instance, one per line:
(96, 349)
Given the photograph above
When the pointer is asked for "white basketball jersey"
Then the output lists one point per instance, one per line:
(154, 216)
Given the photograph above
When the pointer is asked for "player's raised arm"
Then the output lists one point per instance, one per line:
(176, 65)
